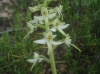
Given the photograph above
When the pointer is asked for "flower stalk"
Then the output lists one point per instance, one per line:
(52, 62)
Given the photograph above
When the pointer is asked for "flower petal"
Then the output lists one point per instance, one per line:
(33, 9)
(33, 21)
(31, 27)
(68, 42)
(63, 26)
(40, 59)
(51, 15)
(32, 60)
(54, 36)
(36, 55)
(42, 41)
(62, 23)
(61, 31)
(53, 29)
(56, 43)
(39, 17)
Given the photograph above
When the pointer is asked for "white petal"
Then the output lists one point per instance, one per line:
(54, 36)
(33, 21)
(31, 27)
(32, 60)
(31, 31)
(36, 55)
(40, 59)
(56, 43)
(63, 26)
(39, 17)
(62, 23)
(68, 42)
(33, 9)
(42, 41)
(53, 29)
(41, 22)
(51, 15)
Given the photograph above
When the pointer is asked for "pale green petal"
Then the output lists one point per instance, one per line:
(62, 23)
(68, 41)
(33, 21)
(54, 36)
(32, 60)
(31, 27)
(53, 29)
(36, 55)
(42, 41)
(39, 17)
(40, 59)
(51, 15)
(61, 31)
(56, 43)
(33, 9)
(63, 26)
(51, 11)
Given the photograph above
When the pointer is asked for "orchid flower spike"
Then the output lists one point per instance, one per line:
(36, 58)
(59, 26)
(48, 40)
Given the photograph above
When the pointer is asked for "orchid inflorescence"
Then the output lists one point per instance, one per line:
(50, 21)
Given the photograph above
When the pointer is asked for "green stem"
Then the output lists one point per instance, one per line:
(47, 60)
(76, 47)
(52, 62)
(32, 66)
(47, 24)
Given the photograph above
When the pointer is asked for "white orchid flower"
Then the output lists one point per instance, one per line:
(67, 40)
(36, 58)
(45, 14)
(31, 28)
(36, 8)
(59, 26)
(36, 21)
(57, 10)
(49, 41)
(33, 9)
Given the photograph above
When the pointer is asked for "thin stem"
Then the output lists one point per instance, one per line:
(32, 66)
(76, 47)
(47, 60)
(52, 61)
(47, 24)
